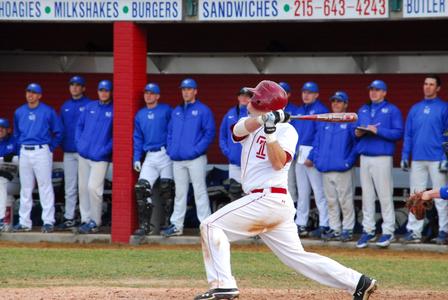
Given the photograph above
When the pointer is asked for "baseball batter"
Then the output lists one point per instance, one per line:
(38, 131)
(268, 144)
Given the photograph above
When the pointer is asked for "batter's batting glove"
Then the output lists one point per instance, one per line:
(404, 165)
(137, 166)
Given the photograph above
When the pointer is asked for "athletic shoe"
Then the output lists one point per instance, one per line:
(67, 224)
(2, 225)
(301, 231)
(441, 238)
(411, 238)
(141, 232)
(385, 240)
(171, 231)
(319, 232)
(21, 228)
(89, 227)
(215, 294)
(366, 286)
(346, 235)
(47, 228)
(365, 239)
(332, 235)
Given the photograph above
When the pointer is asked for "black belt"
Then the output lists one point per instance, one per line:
(155, 149)
(33, 147)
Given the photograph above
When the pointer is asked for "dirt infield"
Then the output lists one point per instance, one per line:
(93, 293)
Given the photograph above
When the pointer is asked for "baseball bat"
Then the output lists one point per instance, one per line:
(329, 117)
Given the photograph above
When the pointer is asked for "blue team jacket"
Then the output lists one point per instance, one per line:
(307, 129)
(93, 136)
(151, 128)
(334, 148)
(8, 146)
(423, 136)
(37, 126)
(390, 128)
(70, 112)
(190, 131)
(230, 149)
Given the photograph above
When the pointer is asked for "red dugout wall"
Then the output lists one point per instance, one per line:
(217, 91)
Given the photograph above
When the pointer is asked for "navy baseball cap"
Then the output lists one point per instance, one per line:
(152, 88)
(285, 86)
(105, 85)
(78, 80)
(310, 87)
(4, 123)
(34, 88)
(378, 85)
(340, 96)
(188, 83)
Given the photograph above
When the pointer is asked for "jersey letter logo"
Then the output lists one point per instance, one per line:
(261, 151)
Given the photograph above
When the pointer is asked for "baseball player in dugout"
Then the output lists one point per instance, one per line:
(291, 109)
(379, 127)
(230, 149)
(426, 123)
(190, 132)
(38, 131)
(307, 176)
(268, 145)
(93, 139)
(150, 137)
(70, 112)
(334, 154)
(7, 150)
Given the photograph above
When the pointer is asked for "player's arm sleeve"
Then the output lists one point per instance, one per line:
(138, 140)
(224, 132)
(80, 126)
(16, 132)
(288, 139)
(56, 128)
(316, 143)
(208, 126)
(353, 154)
(396, 131)
(169, 134)
(237, 138)
(407, 139)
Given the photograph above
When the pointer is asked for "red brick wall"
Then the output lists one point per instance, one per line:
(130, 75)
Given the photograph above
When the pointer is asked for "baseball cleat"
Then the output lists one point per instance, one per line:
(68, 224)
(301, 230)
(385, 240)
(21, 228)
(47, 228)
(365, 239)
(411, 238)
(171, 231)
(366, 286)
(215, 294)
(89, 227)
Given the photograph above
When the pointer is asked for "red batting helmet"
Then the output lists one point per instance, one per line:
(268, 96)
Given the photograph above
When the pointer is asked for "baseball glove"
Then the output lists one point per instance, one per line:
(417, 206)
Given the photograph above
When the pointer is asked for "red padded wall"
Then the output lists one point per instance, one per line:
(218, 91)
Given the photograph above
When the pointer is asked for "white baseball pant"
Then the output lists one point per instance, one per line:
(419, 181)
(339, 191)
(235, 172)
(292, 184)
(183, 171)
(376, 175)
(5, 199)
(71, 183)
(91, 175)
(271, 216)
(156, 164)
(307, 178)
(36, 164)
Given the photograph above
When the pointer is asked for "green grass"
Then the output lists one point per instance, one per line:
(25, 267)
